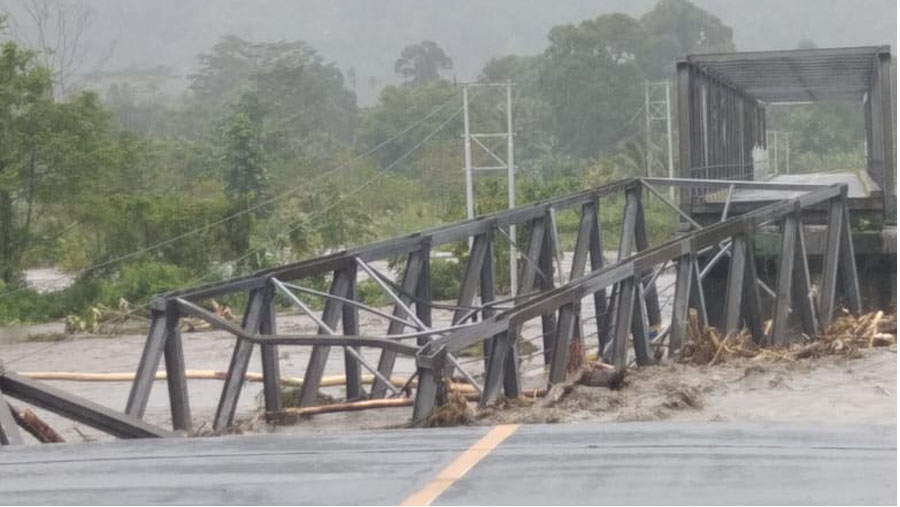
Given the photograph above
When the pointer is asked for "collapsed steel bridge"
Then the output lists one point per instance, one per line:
(721, 115)
(623, 294)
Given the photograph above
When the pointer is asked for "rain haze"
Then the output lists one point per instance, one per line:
(429, 252)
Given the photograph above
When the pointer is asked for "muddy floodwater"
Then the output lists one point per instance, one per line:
(829, 389)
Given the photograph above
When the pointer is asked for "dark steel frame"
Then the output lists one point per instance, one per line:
(631, 309)
(722, 102)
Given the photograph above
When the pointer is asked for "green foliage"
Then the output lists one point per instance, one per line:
(823, 136)
(84, 182)
(135, 282)
(675, 28)
(370, 293)
(141, 280)
(306, 96)
(400, 106)
(446, 275)
(243, 156)
(421, 63)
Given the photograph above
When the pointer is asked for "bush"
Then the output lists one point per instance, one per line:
(140, 281)
(445, 278)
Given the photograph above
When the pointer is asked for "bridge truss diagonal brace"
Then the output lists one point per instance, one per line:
(164, 339)
(341, 283)
(77, 408)
(410, 283)
(240, 357)
(639, 307)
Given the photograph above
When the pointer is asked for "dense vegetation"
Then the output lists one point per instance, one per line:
(268, 158)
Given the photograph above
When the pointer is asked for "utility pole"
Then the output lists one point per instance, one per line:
(787, 152)
(780, 140)
(508, 165)
(647, 127)
(669, 139)
(657, 108)
(467, 136)
(511, 189)
(772, 138)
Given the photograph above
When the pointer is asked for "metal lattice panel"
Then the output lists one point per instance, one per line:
(796, 75)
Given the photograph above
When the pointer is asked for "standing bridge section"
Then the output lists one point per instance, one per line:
(722, 103)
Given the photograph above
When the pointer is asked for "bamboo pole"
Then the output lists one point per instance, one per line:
(291, 415)
(329, 381)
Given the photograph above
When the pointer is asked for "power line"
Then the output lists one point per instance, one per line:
(318, 213)
(371, 181)
(244, 211)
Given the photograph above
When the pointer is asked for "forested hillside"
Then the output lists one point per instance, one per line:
(268, 157)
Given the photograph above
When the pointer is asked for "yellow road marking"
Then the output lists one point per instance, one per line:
(461, 465)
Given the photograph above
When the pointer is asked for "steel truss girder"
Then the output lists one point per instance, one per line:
(631, 311)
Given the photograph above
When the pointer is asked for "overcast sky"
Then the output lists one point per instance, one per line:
(368, 35)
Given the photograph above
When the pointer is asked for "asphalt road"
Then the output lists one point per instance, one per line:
(622, 463)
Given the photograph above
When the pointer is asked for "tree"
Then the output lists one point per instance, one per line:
(675, 28)
(244, 167)
(54, 30)
(25, 88)
(590, 81)
(532, 116)
(422, 63)
(400, 106)
(306, 97)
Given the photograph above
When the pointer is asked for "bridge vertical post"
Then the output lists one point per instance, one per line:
(512, 382)
(565, 330)
(887, 133)
(148, 364)
(545, 261)
(640, 330)
(473, 275)
(487, 290)
(601, 312)
(626, 245)
(312, 378)
(623, 322)
(735, 283)
(495, 375)
(802, 285)
(681, 303)
(240, 359)
(431, 389)
(423, 291)
(408, 285)
(527, 281)
(751, 306)
(685, 127)
(271, 369)
(641, 243)
(847, 259)
(176, 378)
(562, 337)
(783, 288)
(830, 260)
(698, 298)
(350, 327)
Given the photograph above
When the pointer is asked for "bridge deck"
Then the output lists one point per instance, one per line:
(860, 184)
